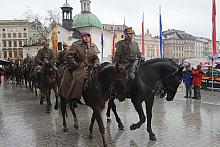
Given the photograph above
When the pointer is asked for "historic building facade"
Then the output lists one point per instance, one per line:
(14, 35)
(151, 45)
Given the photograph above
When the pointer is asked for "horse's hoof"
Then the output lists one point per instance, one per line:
(134, 127)
(152, 137)
(41, 102)
(121, 126)
(56, 107)
(109, 120)
(90, 136)
(65, 129)
(76, 126)
(48, 111)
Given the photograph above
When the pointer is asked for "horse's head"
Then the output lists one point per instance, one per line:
(172, 82)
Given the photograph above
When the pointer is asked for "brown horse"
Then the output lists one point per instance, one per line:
(47, 79)
(95, 95)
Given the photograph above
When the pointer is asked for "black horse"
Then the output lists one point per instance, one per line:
(95, 94)
(47, 79)
(152, 76)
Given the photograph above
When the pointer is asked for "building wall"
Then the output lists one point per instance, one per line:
(151, 45)
(31, 50)
(14, 35)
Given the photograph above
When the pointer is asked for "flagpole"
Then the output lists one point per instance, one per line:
(143, 35)
(213, 39)
(161, 34)
(113, 42)
(102, 44)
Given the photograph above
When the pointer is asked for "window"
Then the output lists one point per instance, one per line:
(4, 44)
(19, 35)
(10, 54)
(122, 36)
(9, 43)
(9, 35)
(20, 54)
(15, 54)
(24, 35)
(20, 43)
(14, 35)
(5, 54)
(24, 29)
(15, 43)
(3, 35)
(3, 29)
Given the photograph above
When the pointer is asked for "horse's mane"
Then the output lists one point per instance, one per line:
(160, 60)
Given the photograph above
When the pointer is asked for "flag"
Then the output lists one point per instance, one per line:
(113, 43)
(54, 39)
(102, 45)
(143, 35)
(161, 36)
(214, 30)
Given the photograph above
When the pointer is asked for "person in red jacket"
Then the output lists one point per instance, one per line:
(197, 81)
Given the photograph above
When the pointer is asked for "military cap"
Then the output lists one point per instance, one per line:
(85, 33)
(129, 30)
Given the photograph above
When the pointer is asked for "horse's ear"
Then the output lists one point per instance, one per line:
(181, 69)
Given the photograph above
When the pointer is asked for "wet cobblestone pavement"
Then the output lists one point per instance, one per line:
(181, 123)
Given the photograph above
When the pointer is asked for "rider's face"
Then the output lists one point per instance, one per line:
(86, 38)
(46, 46)
(130, 36)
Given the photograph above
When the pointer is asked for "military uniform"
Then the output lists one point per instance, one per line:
(43, 54)
(80, 58)
(127, 52)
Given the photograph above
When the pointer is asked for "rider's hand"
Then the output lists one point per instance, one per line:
(96, 66)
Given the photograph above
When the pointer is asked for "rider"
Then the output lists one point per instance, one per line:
(128, 54)
(45, 55)
(81, 57)
(61, 55)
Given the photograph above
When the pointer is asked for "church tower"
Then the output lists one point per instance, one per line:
(67, 20)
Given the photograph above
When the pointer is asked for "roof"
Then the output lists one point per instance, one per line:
(85, 19)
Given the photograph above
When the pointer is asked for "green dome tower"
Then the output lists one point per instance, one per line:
(86, 18)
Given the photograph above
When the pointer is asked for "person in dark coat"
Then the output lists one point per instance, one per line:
(187, 79)
(197, 81)
(81, 58)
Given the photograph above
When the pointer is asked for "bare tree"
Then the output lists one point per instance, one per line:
(43, 25)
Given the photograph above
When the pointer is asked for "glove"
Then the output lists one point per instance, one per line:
(96, 66)
(142, 59)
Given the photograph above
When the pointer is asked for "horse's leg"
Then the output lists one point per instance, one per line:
(63, 112)
(56, 95)
(113, 106)
(76, 124)
(149, 105)
(91, 126)
(101, 125)
(139, 109)
(108, 113)
(48, 91)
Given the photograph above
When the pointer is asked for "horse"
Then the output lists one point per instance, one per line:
(28, 72)
(152, 76)
(47, 79)
(95, 95)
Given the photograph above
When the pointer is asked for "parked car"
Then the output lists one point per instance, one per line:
(207, 78)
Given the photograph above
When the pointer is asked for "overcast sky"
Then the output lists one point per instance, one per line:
(193, 16)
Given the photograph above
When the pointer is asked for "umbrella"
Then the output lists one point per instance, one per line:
(4, 62)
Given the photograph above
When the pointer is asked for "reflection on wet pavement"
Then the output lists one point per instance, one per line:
(181, 123)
